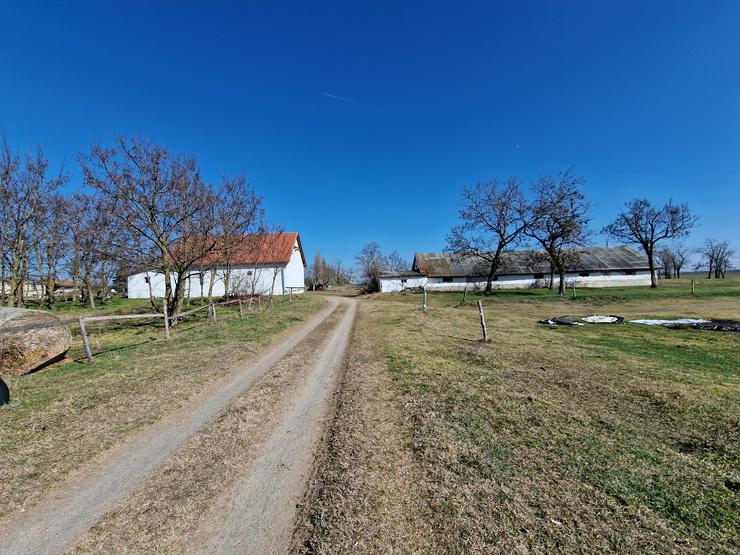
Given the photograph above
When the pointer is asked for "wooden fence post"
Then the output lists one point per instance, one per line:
(166, 319)
(465, 294)
(424, 306)
(290, 294)
(241, 311)
(574, 289)
(483, 322)
(692, 288)
(85, 342)
(212, 310)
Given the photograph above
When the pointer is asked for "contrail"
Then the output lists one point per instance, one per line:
(350, 101)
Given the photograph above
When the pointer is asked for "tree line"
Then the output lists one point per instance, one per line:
(552, 216)
(140, 206)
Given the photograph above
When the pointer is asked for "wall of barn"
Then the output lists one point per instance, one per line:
(595, 279)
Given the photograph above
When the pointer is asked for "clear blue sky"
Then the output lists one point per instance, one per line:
(642, 98)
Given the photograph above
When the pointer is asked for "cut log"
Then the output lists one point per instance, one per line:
(29, 340)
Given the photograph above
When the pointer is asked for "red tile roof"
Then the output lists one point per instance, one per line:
(268, 248)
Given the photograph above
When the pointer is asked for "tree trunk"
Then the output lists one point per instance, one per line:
(561, 275)
(489, 281)
(88, 291)
(167, 284)
(227, 278)
(653, 277)
(210, 284)
(50, 282)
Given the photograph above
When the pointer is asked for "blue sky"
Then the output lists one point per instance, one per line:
(362, 121)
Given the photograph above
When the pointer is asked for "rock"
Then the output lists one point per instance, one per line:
(30, 339)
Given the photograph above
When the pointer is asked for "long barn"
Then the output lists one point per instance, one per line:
(595, 267)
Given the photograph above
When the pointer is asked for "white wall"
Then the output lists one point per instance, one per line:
(596, 279)
(244, 280)
(395, 284)
(294, 273)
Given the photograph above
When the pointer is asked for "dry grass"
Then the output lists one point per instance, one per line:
(63, 417)
(365, 496)
(160, 515)
(589, 439)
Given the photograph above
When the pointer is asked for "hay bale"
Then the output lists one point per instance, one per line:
(29, 340)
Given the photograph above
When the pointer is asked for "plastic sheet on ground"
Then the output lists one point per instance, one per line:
(693, 324)
(571, 321)
(679, 321)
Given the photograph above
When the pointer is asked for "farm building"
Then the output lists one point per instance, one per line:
(257, 265)
(596, 267)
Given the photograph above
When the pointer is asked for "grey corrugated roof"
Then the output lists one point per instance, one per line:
(591, 259)
(401, 274)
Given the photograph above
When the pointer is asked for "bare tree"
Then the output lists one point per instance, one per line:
(371, 264)
(239, 215)
(642, 223)
(717, 257)
(679, 255)
(493, 218)
(672, 259)
(395, 262)
(94, 234)
(162, 200)
(559, 221)
(25, 187)
(665, 257)
(54, 243)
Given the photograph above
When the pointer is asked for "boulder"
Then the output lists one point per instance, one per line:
(30, 339)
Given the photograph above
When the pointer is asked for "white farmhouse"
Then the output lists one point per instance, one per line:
(596, 267)
(258, 265)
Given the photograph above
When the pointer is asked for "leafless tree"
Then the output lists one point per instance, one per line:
(672, 259)
(239, 215)
(716, 257)
(395, 262)
(25, 187)
(342, 275)
(371, 264)
(642, 223)
(560, 215)
(94, 235)
(493, 218)
(320, 273)
(54, 244)
(160, 199)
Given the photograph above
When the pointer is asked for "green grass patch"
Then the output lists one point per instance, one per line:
(595, 438)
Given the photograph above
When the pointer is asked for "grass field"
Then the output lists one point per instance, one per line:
(611, 438)
(64, 416)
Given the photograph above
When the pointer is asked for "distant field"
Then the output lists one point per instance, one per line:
(62, 417)
(611, 438)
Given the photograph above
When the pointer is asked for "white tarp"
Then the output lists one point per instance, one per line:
(687, 321)
(596, 319)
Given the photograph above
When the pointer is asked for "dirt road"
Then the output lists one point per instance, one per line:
(257, 515)
(58, 522)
